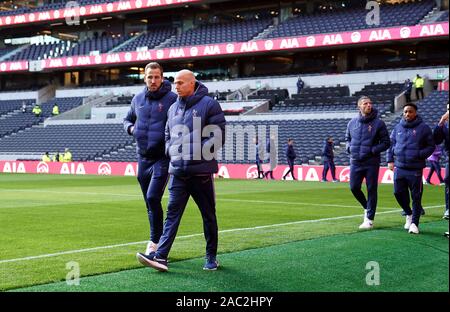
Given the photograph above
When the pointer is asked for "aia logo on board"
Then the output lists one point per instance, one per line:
(344, 175)
(405, 32)
(42, 167)
(356, 36)
(252, 172)
(104, 169)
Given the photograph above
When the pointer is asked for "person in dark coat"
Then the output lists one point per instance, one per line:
(440, 135)
(195, 131)
(146, 121)
(408, 88)
(328, 160)
(300, 85)
(290, 156)
(271, 156)
(367, 137)
(411, 144)
(258, 159)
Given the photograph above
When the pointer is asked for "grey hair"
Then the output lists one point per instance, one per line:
(362, 98)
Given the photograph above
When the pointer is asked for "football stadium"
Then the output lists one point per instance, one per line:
(320, 127)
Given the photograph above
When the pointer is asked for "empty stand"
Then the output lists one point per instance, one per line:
(352, 19)
(18, 121)
(87, 46)
(12, 105)
(323, 99)
(40, 51)
(85, 141)
(150, 39)
(224, 32)
(273, 96)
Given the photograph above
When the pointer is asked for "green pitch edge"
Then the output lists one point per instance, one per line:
(346, 262)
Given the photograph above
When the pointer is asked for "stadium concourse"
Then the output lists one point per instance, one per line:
(249, 54)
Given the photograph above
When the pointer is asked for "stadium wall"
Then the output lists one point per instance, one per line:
(226, 171)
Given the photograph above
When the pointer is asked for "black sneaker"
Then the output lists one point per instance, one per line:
(152, 261)
(211, 263)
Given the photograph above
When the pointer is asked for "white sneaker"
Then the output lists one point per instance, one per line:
(413, 229)
(408, 222)
(366, 225)
(445, 215)
(151, 247)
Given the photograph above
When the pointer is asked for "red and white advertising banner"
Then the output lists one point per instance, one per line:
(265, 45)
(13, 66)
(76, 168)
(72, 10)
(302, 173)
(443, 86)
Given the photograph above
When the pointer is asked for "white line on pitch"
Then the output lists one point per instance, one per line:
(217, 199)
(199, 234)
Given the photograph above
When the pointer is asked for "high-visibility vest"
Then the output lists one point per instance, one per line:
(37, 110)
(419, 82)
(67, 157)
(46, 158)
(55, 110)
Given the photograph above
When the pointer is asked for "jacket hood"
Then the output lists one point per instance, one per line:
(200, 92)
(411, 124)
(165, 88)
(365, 119)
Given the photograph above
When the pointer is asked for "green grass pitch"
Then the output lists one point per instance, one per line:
(274, 236)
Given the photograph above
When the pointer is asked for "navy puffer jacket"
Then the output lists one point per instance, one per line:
(290, 153)
(327, 151)
(411, 144)
(148, 115)
(440, 134)
(185, 144)
(367, 137)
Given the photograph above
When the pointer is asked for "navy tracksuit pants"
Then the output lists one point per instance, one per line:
(291, 169)
(152, 177)
(328, 165)
(406, 181)
(446, 180)
(258, 164)
(357, 175)
(435, 167)
(201, 188)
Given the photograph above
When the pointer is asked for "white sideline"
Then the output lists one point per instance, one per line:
(199, 234)
(217, 199)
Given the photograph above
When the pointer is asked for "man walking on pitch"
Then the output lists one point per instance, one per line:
(290, 156)
(328, 160)
(411, 144)
(195, 131)
(271, 156)
(366, 137)
(146, 121)
(440, 134)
